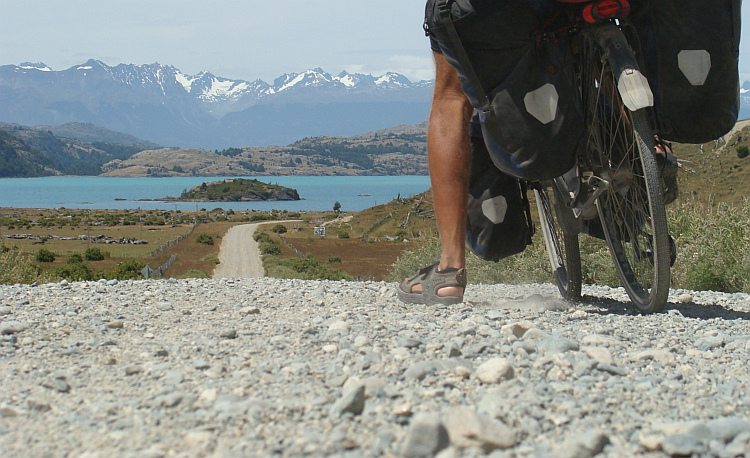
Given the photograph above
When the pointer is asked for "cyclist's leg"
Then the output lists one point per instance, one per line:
(449, 158)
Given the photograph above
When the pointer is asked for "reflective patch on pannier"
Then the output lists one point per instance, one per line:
(494, 209)
(634, 90)
(695, 65)
(498, 215)
(542, 103)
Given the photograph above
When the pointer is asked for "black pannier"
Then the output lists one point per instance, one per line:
(690, 53)
(522, 87)
(498, 222)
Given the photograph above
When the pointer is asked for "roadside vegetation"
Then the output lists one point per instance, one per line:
(83, 245)
(303, 267)
(713, 253)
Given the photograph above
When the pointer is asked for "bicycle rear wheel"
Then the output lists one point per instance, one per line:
(621, 150)
(561, 241)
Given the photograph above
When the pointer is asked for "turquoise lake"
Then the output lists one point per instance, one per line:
(318, 193)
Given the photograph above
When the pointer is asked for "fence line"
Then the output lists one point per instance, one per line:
(378, 223)
(289, 244)
(148, 272)
(173, 242)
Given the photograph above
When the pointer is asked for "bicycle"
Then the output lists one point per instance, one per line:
(614, 191)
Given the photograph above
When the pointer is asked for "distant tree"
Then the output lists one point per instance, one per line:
(337, 206)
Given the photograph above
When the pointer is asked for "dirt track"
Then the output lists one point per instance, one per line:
(239, 255)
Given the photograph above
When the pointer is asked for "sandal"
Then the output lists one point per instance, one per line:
(432, 280)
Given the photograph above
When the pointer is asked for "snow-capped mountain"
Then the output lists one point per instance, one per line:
(160, 103)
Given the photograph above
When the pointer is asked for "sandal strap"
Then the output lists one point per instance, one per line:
(432, 279)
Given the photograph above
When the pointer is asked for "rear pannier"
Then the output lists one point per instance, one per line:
(498, 215)
(690, 53)
(523, 87)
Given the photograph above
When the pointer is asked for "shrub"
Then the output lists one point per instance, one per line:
(261, 237)
(307, 268)
(334, 260)
(279, 229)
(213, 258)
(75, 272)
(94, 254)
(270, 247)
(45, 255)
(17, 268)
(205, 239)
(75, 258)
(343, 235)
(743, 152)
(127, 270)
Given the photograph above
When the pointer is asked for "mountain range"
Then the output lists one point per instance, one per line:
(161, 104)
(86, 149)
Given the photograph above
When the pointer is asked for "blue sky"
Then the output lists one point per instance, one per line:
(240, 39)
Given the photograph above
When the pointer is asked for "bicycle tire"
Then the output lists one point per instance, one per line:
(565, 257)
(621, 148)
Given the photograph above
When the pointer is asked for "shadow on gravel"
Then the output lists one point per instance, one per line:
(690, 310)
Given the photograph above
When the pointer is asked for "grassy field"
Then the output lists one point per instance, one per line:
(364, 244)
(176, 229)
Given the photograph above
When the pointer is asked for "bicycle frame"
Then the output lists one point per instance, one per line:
(600, 19)
(615, 181)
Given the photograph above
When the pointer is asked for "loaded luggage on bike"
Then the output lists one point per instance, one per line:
(568, 100)
(690, 53)
(523, 89)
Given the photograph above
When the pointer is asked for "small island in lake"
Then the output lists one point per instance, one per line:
(235, 190)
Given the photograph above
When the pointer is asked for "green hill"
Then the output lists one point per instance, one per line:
(66, 155)
(20, 160)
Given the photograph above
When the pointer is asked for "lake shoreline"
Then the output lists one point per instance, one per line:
(100, 193)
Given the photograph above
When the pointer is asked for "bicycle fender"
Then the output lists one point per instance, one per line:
(631, 84)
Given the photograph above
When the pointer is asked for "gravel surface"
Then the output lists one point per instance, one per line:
(258, 367)
(239, 256)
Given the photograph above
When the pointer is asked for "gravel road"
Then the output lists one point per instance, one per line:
(238, 255)
(259, 367)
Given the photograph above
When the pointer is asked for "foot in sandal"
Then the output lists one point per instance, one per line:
(431, 286)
